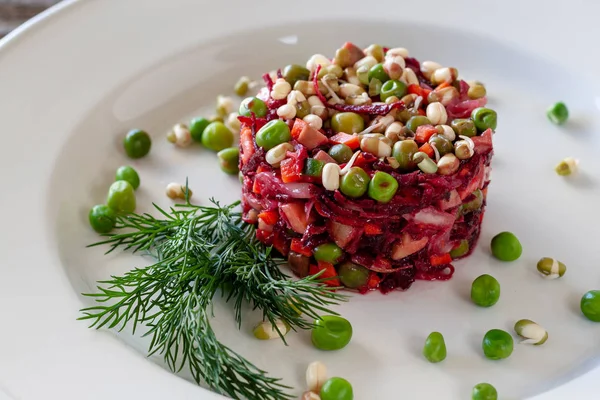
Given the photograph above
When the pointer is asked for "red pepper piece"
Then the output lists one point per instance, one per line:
(299, 248)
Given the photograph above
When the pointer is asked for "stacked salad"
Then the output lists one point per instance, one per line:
(371, 168)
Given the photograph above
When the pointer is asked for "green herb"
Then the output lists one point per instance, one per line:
(200, 251)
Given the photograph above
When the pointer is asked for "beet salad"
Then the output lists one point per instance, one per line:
(369, 167)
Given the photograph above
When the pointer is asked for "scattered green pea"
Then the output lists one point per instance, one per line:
(497, 344)
(347, 122)
(378, 72)
(506, 247)
(341, 153)
(273, 133)
(197, 127)
(253, 105)
(382, 187)
(336, 389)
(484, 118)
(331, 332)
(558, 113)
(485, 291)
(127, 173)
(590, 305)
(121, 197)
(355, 183)
(217, 136)
(137, 143)
(353, 275)
(102, 218)
(229, 159)
(484, 391)
(435, 348)
(392, 88)
(328, 252)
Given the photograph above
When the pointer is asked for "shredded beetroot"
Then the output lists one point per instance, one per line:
(253, 122)
(405, 239)
(268, 81)
(371, 109)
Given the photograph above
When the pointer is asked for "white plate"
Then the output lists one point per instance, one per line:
(75, 81)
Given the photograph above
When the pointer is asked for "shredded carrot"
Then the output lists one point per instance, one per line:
(440, 260)
(372, 229)
(427, 149)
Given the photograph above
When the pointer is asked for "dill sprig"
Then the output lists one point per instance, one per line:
(199, 251)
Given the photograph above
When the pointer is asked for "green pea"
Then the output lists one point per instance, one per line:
(414, 122)
(293, 73)
(314, 167)
(484, 118)
(464, 127)
(341, 153)
(102, 218)
(392, 88)
(137, 143)
(253, 105)
(378, 72)
(443, 145)
(347, 122)
(558, 113)
(353, 275)
(355, 182)
(382, 187)
(197, 127)
(460, 250)
(127, 173)
(475, 202)
(328, 252)
(506, 247)
(229, 159)
(497, 344)
(336, 389)
(403, 152)
(217, 136)
(331, 332)
(484, 391)
(121, 197)
(590, 305)
(273, 133)
(485, 291)
(435, 348)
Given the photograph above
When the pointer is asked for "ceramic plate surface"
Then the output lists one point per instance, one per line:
(76, 79)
